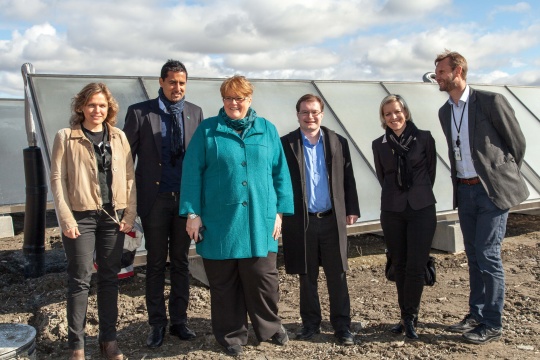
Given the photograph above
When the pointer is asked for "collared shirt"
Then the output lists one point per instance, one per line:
(170, 175)
(316, 175)
(465, 167)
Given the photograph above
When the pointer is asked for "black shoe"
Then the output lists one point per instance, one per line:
(345, 337)
(397, 329)
(482, 334)
(182, 331)
(155, 337)
(307, 332)
(408, 326)
(234, 350)
(281, 337)
(467, 324)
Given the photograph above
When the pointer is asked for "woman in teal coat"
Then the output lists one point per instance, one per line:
(235, 189)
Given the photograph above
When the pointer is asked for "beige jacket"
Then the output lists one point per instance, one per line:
(74, 175)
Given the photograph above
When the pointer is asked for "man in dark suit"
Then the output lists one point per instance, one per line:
(325, 201)
(486, 149)
(159, 131)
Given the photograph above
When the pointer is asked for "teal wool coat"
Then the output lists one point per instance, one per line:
(237, 186)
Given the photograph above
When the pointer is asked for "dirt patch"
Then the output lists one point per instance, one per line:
(41, 303)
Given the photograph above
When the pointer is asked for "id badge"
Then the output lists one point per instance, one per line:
(457, 153)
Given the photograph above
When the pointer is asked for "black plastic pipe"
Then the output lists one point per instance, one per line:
(35, 212)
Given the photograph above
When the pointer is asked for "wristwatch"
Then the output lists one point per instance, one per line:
(192, 216)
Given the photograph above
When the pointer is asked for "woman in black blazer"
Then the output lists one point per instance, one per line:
(405, 161)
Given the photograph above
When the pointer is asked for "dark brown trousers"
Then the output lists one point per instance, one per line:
(242, 287)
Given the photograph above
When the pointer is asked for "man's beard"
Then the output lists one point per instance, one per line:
(447, 85)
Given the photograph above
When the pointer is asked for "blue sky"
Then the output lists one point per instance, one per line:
(371, 40)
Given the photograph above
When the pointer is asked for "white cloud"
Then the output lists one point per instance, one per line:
(520, 7)
(309, 58)
(306, 39)
(22, 9)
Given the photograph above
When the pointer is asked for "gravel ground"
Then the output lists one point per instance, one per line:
(41, 303)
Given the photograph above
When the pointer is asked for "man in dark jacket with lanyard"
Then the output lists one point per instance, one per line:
(159, 131)
(325, 202)
(486, 149)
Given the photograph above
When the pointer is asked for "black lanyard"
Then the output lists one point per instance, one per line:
(458, 128)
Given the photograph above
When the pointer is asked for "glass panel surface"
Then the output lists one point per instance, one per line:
(12, 142)
(357, 107)
(355, 104)
(54, 95)
(529, 96)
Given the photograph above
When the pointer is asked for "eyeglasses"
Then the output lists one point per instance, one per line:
(313, 113)
(237, 99)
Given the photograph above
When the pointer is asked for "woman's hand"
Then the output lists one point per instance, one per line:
(277, 226)
(192, 228)
(351, 219)
(125, 228)
(72, 233)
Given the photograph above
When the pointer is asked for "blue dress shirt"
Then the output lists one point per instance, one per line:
(316, 176)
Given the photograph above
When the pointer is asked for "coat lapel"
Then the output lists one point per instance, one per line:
(295, 140)
(447, 123)
(190, 124)
(155, 123)
(472, 116)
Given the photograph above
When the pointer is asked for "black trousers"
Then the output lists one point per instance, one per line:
(408, 235)
(242, 287)
(165, 235)
(322, 248)
(100, 233)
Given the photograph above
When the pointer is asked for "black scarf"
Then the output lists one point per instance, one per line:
(177, 138)
(400, 147)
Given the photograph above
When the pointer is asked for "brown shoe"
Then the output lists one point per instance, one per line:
(77, 354)
(109, 350)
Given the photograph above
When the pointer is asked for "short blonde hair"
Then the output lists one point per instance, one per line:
(237, 85)
(394, 98)
(82, 98)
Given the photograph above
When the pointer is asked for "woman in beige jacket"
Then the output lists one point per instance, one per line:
(93, 185)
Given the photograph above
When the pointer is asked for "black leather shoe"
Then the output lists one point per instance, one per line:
(397, 329)
(281, 337)
(155, 337)
(307, 332)
(482, 334)
(345, 337)
(467, 324)
(182, 331)
(233, 350)
(408, 326)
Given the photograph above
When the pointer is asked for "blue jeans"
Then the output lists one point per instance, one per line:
(483, 225)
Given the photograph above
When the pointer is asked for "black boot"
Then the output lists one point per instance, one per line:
(409, 323)
(397, 329)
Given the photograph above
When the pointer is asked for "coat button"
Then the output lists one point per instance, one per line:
(244, 183)
(244, 203)
(157, 182)
(244, 163)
